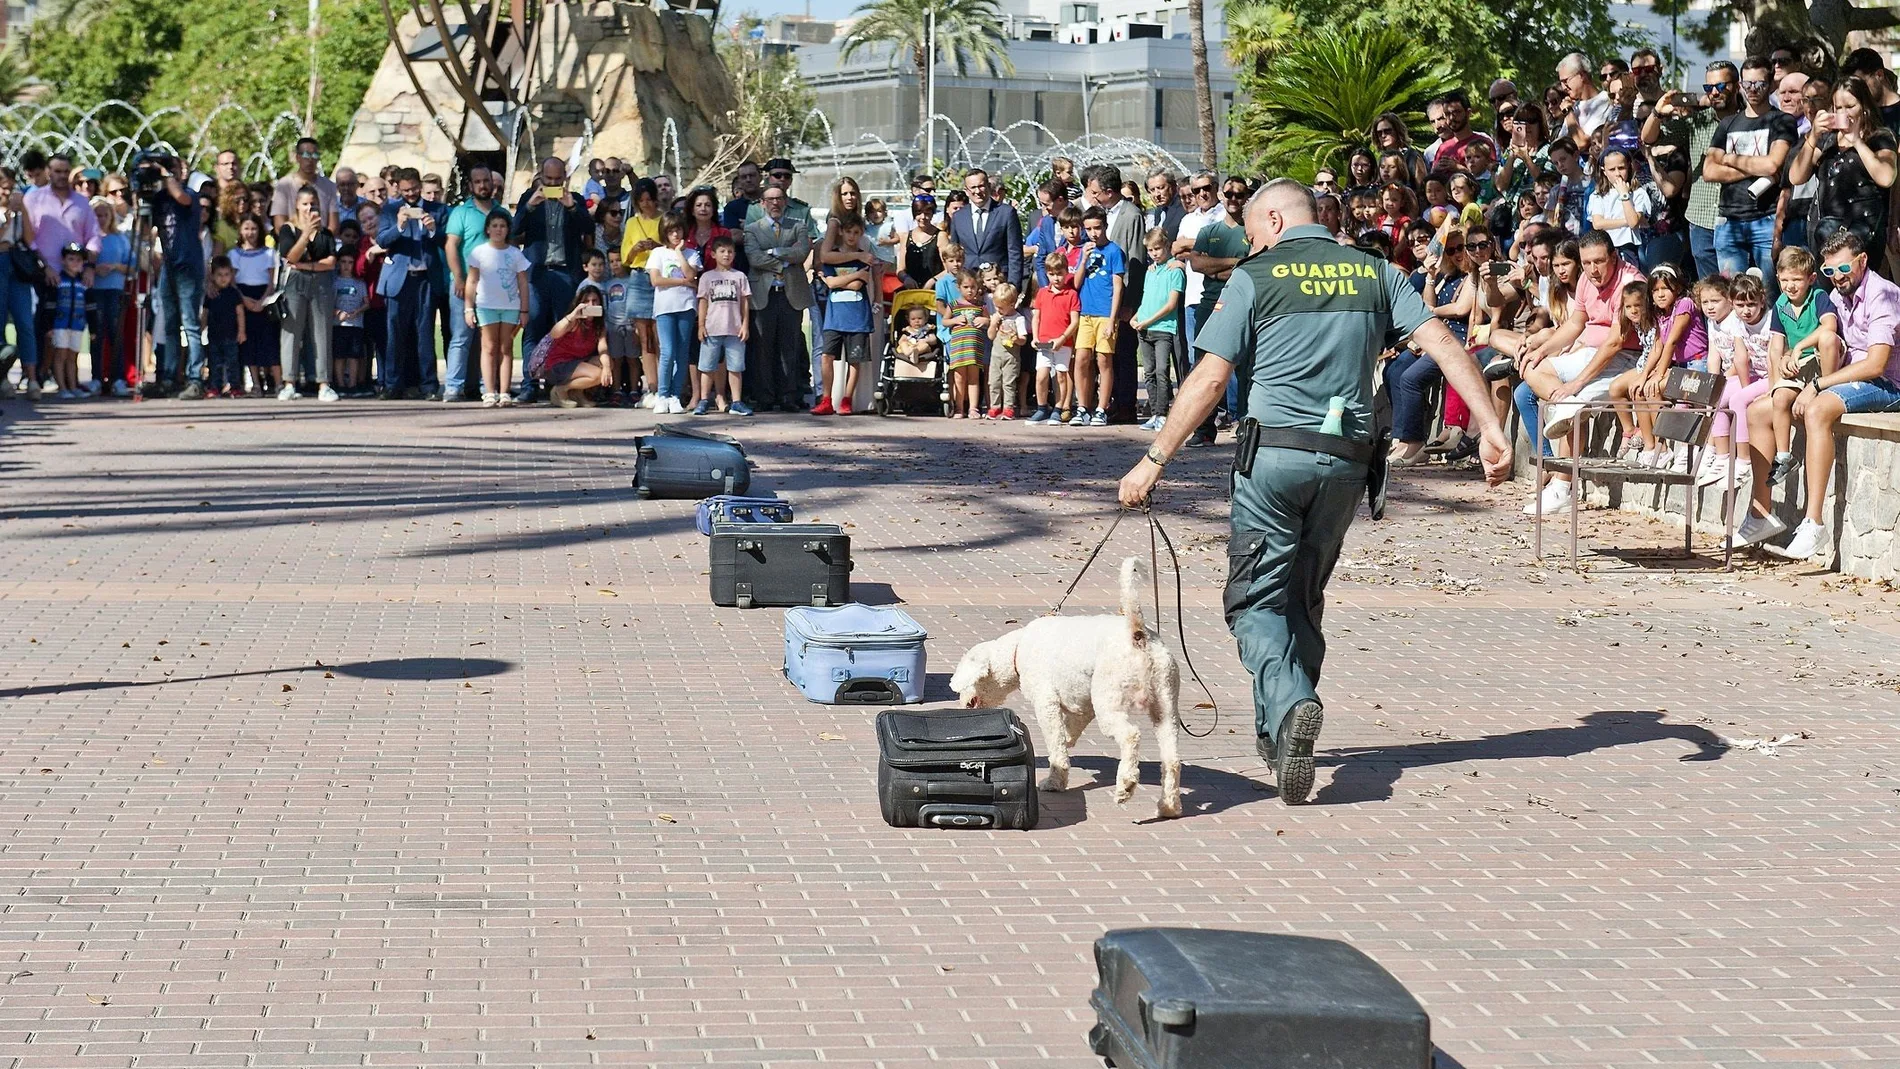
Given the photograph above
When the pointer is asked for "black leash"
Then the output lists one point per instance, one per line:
(1154, 574)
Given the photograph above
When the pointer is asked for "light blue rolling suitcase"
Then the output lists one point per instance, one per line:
(854, 654)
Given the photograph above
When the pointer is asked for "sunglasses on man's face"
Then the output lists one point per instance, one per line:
(1717, 87)
(1234, 194)
(1756, 84)
(1208, 190)
(1837, 270)
(786, 175)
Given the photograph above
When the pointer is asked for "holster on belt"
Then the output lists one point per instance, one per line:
(1250, 437)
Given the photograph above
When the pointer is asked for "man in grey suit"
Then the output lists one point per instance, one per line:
(990, 232)
(777, 247)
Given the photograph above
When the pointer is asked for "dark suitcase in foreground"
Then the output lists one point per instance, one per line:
(675, 462)
(855, 654)
(735, 508)
(1200, 998)
(782, 564)
(974, 769)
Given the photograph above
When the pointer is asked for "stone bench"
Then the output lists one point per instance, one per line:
(1860, 523)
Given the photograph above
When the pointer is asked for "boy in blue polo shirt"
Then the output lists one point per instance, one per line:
(1100, 273)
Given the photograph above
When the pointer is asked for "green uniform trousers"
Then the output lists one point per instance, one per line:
(1290, 515)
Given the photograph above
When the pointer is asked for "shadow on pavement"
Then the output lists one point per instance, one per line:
(1204, 791)
(408, 668)
(1367, 774)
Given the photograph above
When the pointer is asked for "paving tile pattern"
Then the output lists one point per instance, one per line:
(404, 735)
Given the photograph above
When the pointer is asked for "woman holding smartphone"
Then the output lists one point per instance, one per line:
(577, 357)
(1853, 157)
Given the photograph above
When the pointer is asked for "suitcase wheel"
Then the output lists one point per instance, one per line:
(745, 601)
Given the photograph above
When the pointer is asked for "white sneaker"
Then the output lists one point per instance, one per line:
(1556, 497)
(1757, 529)
(1715, 468)
(325, 393)
(651, 401)
(50, 386)
(674, 408)
(1647, 458)
(1809, 539)
(1560, 414)
(288, 393)
(1678, 461)
(120, 389)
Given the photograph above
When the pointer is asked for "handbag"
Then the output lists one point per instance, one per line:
(275, 305)
(27, 265)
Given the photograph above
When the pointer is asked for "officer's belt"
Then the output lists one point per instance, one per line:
(1250, 437)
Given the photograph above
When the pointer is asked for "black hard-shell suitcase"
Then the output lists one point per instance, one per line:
(673, 462)
(1201, 998)
(781, 564)
(974, 769)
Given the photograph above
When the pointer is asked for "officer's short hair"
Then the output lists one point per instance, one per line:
(1291, 197)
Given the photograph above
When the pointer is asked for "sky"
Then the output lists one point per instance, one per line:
(821, 9)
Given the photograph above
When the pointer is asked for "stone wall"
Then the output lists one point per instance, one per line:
(1860, 524)
(626, 67)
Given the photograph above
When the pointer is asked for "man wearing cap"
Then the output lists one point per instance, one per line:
(778, 173)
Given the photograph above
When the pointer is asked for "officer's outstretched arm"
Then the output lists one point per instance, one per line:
(1462, 373)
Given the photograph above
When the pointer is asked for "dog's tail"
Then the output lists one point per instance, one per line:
(1134, 571)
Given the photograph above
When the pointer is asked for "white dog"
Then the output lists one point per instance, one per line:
(1074, 669)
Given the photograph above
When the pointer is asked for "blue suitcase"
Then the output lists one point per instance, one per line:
(731, 508)
(854, 654)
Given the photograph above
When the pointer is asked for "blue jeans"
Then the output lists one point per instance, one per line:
(409, 335)
(180, 294)
(227, 369)
(676, 349)
(1744, 243)
(462, 341)
(16, 303)
(1526, 401)
(550, 292)
(1409, 378)
(1871, 395)
(1702, 251)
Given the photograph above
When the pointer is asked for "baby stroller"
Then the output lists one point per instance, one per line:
(902, 386)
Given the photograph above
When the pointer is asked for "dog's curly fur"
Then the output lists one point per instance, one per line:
(1074, 669)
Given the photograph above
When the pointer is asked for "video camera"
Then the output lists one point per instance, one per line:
(150, 169)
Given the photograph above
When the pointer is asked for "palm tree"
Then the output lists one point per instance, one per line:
(968, 33)
(1256, 32)
(1319, 96)
(1203, 89)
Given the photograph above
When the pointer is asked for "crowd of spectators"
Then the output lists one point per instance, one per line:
(1583, 241)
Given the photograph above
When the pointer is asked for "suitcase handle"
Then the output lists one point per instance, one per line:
(869, 692)
(966, 789)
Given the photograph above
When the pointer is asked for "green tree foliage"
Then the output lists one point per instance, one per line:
(158, 54)
(1520, 39)
(774, 102)
(969, 34)
(1320, 93)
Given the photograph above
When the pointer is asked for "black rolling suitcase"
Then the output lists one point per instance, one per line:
(974, 769)
(1201, 998)
(674, 462)
(782, 564)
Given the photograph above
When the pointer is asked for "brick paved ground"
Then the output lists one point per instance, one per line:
(543, 806)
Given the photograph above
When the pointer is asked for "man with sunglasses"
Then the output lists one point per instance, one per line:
(1590, 107)
(1868, 380)
(466, 231)
(1219, 247)
(1686, 125)
(1748, 156)
(283, 202)
(1203, 207)
(778, 174)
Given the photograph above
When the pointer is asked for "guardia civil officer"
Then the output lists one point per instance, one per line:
(1303, 319)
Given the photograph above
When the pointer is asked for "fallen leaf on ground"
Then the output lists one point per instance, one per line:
(99, 1000)
(669, 818)
(289, 687)
(826, 736)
